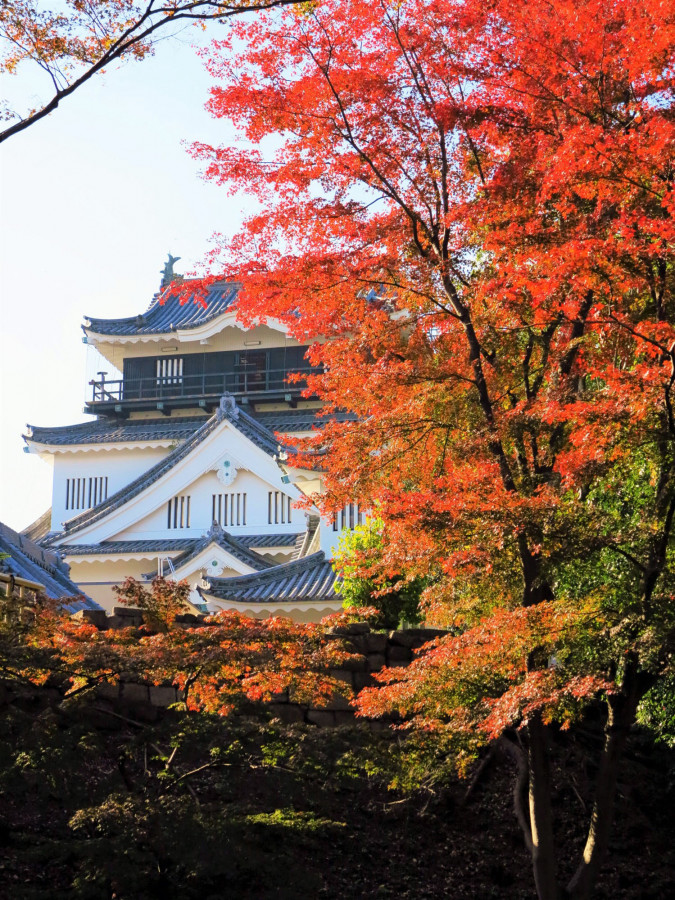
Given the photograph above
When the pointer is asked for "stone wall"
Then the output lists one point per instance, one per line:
(373, 651)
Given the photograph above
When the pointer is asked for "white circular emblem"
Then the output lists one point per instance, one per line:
(227, 471)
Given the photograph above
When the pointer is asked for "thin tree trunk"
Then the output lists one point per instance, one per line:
(544, 861)
(621, 716)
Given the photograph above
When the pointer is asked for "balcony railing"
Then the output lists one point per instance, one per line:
(182, 387)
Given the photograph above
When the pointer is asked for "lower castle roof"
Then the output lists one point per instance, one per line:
(172, 545)
(34, 563)
(311, 579)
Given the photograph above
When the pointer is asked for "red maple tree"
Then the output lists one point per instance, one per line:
(217, 664)
(469, 207)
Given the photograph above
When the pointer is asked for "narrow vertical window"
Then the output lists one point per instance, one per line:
(348, 517)
(229, 509)
(178, 512)
(278, 508)
(85, 493)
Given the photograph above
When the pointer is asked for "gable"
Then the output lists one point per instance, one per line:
(232, 435)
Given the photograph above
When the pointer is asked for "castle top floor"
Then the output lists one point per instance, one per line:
(182, 355)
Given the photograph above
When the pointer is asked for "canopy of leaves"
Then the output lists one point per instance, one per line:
(395, 599)
(473, 204)
(219, 664)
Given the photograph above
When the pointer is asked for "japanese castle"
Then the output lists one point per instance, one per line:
(180, 472)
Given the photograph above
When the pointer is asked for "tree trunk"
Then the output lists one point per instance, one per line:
(541, 819)
(621, 716)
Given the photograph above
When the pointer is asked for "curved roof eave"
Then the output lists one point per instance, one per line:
(169, 313)
(311, 578)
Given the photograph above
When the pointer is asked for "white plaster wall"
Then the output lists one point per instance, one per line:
(97, 579)
(120, 466)
(230, 338)
(329, 539)
(304, 613)
(201, 491)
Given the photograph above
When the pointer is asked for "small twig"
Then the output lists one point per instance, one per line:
(170, 759)
(579, 797)
(115, 715)
(193, 794)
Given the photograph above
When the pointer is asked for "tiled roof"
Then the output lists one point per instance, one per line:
(122, 547)
(305, 580)
(267, 540)
(40, 527)
(299, 419)
(260, 435)
(228, 409)
(162, 318)
(168, 428)
(104, 431)
(172, 545)
(28, 560)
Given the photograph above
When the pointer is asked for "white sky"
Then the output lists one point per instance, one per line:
(91, 201)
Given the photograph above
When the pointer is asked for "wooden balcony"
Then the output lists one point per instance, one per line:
(126, 395)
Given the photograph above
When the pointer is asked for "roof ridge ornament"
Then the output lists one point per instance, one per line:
(167, 273)
(227, 408)
(216, 532)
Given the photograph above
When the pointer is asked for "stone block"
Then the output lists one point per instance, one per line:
(396, 655)
(378, 725)
(97, 617)
(343, 675)
(344, 717)
(414, 637)
(280, 697)
(355, 643)
(338, 702)
(127, 611)
(375, 642)
(357, 664)
(162, 695)
(108, 691)
(376, 661)
(362, 680)
(287, 712)
(321, 717)
(134, 693)
(346, 630)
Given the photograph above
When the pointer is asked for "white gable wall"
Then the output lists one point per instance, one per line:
(200, 492)
(119, 466)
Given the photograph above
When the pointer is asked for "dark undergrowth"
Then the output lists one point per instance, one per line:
(99, 805)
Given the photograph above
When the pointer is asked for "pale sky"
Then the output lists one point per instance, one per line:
(91, 201)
